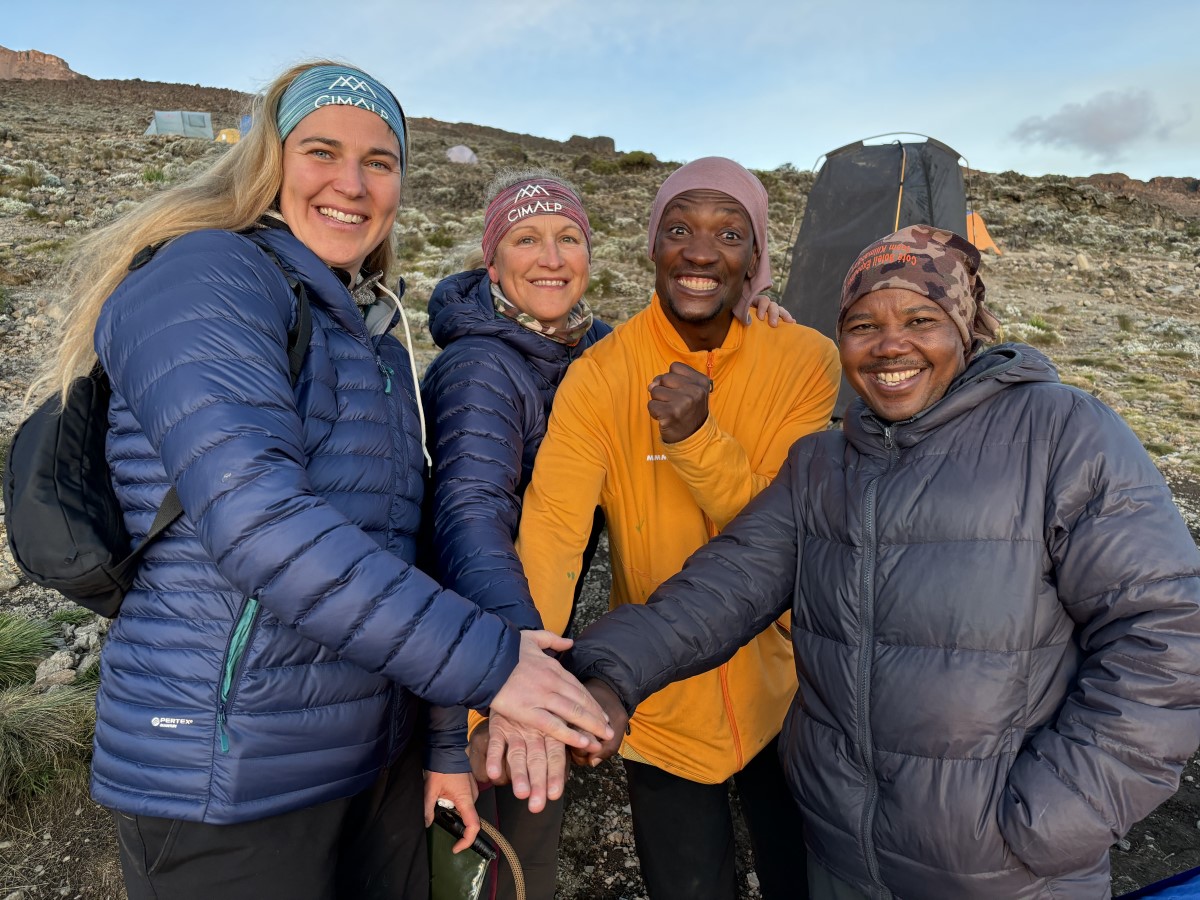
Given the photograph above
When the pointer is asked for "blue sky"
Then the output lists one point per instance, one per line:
(1037, 87)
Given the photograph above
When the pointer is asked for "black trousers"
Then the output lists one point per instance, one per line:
(684, 835)
(371, 846)
(534, 836)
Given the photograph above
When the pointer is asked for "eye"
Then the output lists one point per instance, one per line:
(859, 328)
(677, 230)
(320, 153)
(524, 240)
(570, 239)
(380, 165)
(731, 235)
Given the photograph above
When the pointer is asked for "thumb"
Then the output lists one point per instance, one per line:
(548, 640)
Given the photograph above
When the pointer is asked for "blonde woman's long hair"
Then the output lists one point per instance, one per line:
(242, 185)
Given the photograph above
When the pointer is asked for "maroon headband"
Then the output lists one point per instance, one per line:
(545, 196)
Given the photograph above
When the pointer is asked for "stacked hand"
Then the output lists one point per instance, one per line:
(502, 752)
(542, 696)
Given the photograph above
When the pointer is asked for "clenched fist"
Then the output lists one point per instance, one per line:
(679, 402)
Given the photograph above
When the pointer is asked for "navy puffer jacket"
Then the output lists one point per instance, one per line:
(996, 616)
(489, 394)
(268, 653)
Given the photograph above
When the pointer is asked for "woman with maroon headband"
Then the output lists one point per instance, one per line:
(508, 328)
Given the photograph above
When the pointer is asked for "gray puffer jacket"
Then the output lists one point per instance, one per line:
(996, 617)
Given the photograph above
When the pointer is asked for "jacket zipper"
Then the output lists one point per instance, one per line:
(231, 669)
(387, 372)
(866, 612)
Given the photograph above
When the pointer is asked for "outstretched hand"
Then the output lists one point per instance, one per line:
(679, 402)
(542, 696)
(504, 753)
(615, 710)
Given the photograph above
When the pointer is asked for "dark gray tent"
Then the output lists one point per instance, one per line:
(862, 193)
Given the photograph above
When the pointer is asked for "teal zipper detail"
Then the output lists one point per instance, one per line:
(387, 372)
(233, 657)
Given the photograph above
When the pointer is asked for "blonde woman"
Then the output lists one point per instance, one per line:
(257, 717)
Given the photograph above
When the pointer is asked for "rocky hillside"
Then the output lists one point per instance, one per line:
(1103, 273)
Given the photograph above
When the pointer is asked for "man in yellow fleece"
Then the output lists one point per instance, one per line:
(671, 424)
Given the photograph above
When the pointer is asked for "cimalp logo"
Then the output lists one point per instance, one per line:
(533, 190)
(353, 83)
(169, 722)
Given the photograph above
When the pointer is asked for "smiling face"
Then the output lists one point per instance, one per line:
(900, 352)
(341, 184)
(541, 265)
(703, 253)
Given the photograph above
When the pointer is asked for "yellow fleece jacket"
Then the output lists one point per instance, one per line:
(662, 501)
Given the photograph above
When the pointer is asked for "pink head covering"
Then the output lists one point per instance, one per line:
(715, 173)
(541, 196)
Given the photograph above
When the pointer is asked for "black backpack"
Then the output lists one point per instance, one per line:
(64, 524)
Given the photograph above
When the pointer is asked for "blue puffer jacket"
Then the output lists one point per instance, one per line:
(489, 395)
(265, 657)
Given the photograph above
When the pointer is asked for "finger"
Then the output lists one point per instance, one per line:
(471, 822)
(518, 765)
(686, 371)
(556, 769)
(786, 316)
(548, 640)
(431, 798)
(659, 410)
(553, 726)
(536, 762)
(495, 757)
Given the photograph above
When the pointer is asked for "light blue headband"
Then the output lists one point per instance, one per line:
(339, 86)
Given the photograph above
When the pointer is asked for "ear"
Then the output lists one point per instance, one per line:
(752, 269)
(493, 273)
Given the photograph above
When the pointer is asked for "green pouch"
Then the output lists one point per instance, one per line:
(456, 876)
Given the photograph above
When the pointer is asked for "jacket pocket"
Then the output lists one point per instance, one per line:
(231, 668)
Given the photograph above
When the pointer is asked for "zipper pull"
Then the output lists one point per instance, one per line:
(888, 442)
(221, 722)
(387, 373)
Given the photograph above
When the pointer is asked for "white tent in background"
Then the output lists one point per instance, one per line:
(189, 124)
(461, 153)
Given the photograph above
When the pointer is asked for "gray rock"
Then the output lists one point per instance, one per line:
(62, 661)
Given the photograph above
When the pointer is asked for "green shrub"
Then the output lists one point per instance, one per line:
(604, 166)
(441, 239)
(637, 159)
(29, 177)
(42, 735)
(153, 175)
(24, 643)
(411, 244)
(1039, 323)
(602, 283)
(1125, 321)
(71, 615)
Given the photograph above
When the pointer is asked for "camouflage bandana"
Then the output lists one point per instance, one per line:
(579, 319)
(934, 263)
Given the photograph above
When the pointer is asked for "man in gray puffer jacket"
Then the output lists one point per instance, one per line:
(995, 607)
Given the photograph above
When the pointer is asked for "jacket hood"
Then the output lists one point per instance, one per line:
(461, 305)
(986, 374)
